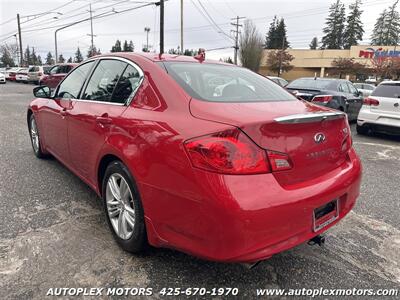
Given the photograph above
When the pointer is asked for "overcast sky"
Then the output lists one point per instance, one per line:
(304, 19)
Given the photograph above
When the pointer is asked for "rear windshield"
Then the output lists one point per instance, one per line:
(33, 69)
(388, 90)
(310, 83)
(222, 83)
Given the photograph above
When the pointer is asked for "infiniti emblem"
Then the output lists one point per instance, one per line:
(319, 138)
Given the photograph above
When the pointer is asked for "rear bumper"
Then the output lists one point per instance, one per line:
(247, 218)
(386, 122)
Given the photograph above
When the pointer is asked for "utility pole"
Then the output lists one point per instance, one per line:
(161, 26)
(280, 55)
(182, 27)
(16, 43)
(91, 30)
(236, 32)
(20, 42)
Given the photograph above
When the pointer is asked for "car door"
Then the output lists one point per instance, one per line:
(345, 93)
(55, 114)
(50, 81)
(356, 99)
(95, 115)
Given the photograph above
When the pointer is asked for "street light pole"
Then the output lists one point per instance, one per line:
(161, 26)
(147, 30)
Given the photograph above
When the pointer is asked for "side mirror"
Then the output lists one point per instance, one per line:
(42, 92)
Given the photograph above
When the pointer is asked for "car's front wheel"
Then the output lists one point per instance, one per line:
(123, 208)
(35, 138)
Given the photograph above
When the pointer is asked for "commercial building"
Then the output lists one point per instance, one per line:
(310, 63)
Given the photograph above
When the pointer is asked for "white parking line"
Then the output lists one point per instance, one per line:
(378, 145)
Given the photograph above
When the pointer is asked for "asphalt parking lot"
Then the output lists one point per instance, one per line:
(53, 232)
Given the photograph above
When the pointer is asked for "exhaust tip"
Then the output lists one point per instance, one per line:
(317, 240)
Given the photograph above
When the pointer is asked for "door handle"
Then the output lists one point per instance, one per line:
(103, 121)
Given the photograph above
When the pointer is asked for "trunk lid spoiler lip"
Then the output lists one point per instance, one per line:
(310, 117)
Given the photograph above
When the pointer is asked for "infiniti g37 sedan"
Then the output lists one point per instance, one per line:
(233, 176)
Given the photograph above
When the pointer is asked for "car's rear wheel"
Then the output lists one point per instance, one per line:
(123, 208)
(35, 138)
(362, 129)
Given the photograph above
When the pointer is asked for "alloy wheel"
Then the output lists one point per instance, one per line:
(120, 206)
(34, 135)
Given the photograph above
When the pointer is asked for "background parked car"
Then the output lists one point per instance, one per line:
(2, 77)
(22, 75)
(11, 73)
(282, 82)
(56, 74)
(365, 88)
(381, 111)
(339, 94)
(35, 74)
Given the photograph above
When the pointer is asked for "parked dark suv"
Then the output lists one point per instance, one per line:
(339, 94)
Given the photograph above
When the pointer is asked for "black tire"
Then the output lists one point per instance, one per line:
(364, 130)
(37, 149)
(137, 241)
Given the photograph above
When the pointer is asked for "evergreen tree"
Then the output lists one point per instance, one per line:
(125, 47)
(314, 43)
(335, 25)
(69, 60)
(6, 58)
(39, 60)
(271, 38)
(34, 59)
(78, 56)
(276, 37)
(116, 47)
(387, 27)
(61, 59)
(281, 35)
(131, 47)
(49, 59)
(354, 29)
(93, 51)
(27, 56)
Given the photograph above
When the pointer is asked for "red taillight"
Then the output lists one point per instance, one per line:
(322, 98)
(232, 152)
(279, 161)
(227, 152)
(370, 102)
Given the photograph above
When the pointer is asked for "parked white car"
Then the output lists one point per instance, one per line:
(365, 88)
(2, 77)
(381, 111)
(22, 75)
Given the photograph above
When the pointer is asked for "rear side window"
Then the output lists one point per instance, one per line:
(389, 90)
(221, 83)
(103, 81)
(127, 84)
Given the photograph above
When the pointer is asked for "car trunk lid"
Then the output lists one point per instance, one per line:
(311, 135)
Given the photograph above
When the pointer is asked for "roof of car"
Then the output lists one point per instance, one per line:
(155, 57)
(390, 82)
(323, 78)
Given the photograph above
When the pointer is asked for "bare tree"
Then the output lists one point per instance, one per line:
(251, 47)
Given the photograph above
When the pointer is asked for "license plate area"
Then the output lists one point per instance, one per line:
(325, 215)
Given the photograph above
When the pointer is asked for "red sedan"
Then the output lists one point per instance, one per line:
(201, 156)
(56, 74)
